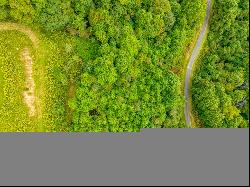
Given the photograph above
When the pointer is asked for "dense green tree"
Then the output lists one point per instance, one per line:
(225, 68)
(128, 85)
(56, 14)
(3, 9)
(25, 10)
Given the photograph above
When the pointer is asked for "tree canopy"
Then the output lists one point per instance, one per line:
(220, 86)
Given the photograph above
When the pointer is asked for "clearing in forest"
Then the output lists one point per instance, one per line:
(33, 81)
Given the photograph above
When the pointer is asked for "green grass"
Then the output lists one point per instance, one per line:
(13, 112)
(53, 79)
(56, 63)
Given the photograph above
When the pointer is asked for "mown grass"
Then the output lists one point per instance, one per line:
(58, 51)
(13, 112)
(53, 78)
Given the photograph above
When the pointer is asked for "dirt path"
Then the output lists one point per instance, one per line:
(29, 93)
(192, 61)
(20, 28)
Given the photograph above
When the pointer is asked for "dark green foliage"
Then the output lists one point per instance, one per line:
(24, 10)
(3, 9)
(218, 94)
(56, 14)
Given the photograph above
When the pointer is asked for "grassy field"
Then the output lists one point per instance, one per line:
(13, 112)
(54, 67)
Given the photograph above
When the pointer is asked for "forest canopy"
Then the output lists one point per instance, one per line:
(128, 60)
(221, 86)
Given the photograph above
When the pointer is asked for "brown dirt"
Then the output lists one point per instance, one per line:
(29, 93)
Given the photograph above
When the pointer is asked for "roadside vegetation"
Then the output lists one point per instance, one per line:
(221, 84)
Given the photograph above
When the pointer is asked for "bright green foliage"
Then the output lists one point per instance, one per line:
(121, 70)
(129, 85)
(218, 94)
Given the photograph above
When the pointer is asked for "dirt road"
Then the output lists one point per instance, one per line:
(29, 94)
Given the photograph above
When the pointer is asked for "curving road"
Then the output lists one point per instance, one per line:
(194, 55)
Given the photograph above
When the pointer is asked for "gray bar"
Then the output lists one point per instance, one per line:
(178, 157)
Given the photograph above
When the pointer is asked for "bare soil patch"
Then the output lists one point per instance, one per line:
(29, 93)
